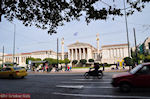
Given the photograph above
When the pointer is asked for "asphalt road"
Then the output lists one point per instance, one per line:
(72, 86)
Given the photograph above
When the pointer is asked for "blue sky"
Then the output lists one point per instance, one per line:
(30, 39)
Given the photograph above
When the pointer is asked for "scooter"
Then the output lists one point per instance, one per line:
(98, 74)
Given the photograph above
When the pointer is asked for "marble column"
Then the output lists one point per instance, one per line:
(76, 55)
(80, 54)
(122, 52)
(69, 57)
(84, 53)
(72, 54)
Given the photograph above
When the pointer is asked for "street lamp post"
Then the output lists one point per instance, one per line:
(127, 29)
(3, 57)
(14, 41)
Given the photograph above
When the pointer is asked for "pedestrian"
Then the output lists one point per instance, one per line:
(61, 67)
(117, 65)
(65, 67)
(123, 65)
(68, 68)
(103, 67)
(43, 69)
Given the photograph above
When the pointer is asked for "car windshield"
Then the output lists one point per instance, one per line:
(134, 70)
(17, 68)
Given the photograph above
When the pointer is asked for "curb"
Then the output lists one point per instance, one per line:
(73, 72)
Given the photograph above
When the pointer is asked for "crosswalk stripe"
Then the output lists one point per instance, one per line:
(70, 86)
(90, 79)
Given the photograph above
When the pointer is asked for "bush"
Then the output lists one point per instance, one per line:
(91, 60)
(74, 62)
(147, 58)
(83, 61)
(128, 61)
(66, 60)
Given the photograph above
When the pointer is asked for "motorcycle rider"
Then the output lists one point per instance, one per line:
(96, 68)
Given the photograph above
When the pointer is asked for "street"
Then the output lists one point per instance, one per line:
(69, 86)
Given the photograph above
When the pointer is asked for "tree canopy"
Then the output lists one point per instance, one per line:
(32, 59)
(49, 14)
(74, 62)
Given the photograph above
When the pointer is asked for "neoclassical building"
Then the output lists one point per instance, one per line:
(108, 54)
(21, 57)
(147, 44)
(113, 53)
(77, 51)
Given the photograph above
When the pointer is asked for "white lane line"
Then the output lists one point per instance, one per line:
(102, 96)
(102, 87)
(29, 74)
(70, 86)
(91, 79)
(87, 82)
(82, 86)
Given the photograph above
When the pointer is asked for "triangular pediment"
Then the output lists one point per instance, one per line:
(79, 44)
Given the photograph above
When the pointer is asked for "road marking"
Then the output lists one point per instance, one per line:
(87, 82)
(70, 86)
(91, 79)
(82, 86)
(60, 74)
(102, 87)
(102, 96)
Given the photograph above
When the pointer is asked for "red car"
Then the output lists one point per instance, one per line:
(137, 77)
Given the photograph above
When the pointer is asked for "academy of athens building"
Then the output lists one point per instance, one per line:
(107, 54)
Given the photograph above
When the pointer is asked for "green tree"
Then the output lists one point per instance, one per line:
(74, 62)
(51, 61)
(29, 59)
(91, 60)
(49, 14)
(141, 57)
(128, 61)
(61, 61)
(83, 61)
(147, 58)
(67, 61)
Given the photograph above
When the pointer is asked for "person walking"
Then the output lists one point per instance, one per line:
(68, 68)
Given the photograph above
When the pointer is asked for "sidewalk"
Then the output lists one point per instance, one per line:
(79, 70)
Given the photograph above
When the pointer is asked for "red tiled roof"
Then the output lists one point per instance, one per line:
(25, 53)
(41, 51)
(8, 55)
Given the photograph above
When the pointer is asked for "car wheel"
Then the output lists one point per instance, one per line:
(22, 77)
(11, 76)
(86, 75)
(125, 87)
(100, 76)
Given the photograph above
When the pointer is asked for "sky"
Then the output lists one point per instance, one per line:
(29, 39)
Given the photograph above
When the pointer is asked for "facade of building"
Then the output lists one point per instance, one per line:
(21, 58)
(147, 44)
(78, 51)
(107, 54)
(113, 53)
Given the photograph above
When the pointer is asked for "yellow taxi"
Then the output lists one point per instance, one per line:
(13, 72)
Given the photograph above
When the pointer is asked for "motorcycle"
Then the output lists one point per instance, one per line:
(98, 74)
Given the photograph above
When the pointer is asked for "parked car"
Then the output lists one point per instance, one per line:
(137, 77)
(13, 72)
